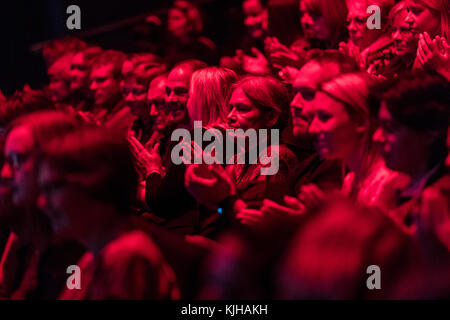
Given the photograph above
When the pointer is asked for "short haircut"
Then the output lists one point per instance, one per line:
(111, 57)
(99, 160)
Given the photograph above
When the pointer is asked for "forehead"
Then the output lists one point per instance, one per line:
(102, 71)
(324, 102)
(157, 91)
(252, 6)
(312, 74)
(238, 96)
(179, 77)
(357, 7)
(19, 140)
(78, 58)
(131, 82)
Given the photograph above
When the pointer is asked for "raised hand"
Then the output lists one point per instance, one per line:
(254, 65)
(434, 54)
(147, 161)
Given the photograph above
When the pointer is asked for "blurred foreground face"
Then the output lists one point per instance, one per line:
(105, 86)
(64, 203)
(18, 169)
(401, 147)
(255, 18)
(177, 93)
(336, 135)
(135, 96)
(158, 110)
(79, 73)
(313, 24)
(244, 115)
(357, 16)
(59, 87)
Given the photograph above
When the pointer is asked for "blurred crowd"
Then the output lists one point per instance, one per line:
(88, 176)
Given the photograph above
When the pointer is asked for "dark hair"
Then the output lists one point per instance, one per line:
(343, 61)
(421, 102)
(266, 93)
(99, 159)
(111, 57)
(24, 102)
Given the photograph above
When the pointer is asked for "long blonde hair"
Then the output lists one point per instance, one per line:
(208, 94)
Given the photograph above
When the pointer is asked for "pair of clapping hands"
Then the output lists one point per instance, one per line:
(433, 54)
(147, 159)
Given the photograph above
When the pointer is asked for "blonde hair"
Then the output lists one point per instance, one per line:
(208, 94)
(442, 7)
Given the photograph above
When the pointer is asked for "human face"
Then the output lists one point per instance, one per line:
(135, 97)
(403, 149)
(305, 85)
(18, 169)
(336, 135)
(255, 18)
(313, 24)
(59, 87)
(158, 110)
(177, 93)
(178, 23)
(244, 115)
(357, 17)
(106, 87)
(57, 198)
(79, 73)
(405, 38)
(422, 18)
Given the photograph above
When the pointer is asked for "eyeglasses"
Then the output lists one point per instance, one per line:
(307, 93)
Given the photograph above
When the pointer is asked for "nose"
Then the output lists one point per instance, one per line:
(297, 101)
(314, 127)
(93, 85)
(6, 172)
(153, 110)
(231, 116)
(352, 26)
(307, 19)
(409, 17)
(396, 35)
(130, 97)
(378, 136)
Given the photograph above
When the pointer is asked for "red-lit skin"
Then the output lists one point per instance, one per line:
(135, 97)
(421, 18)
(178, 24)
(20, 177)
(57, 199)
(177, 93)
(357, 16)
(244, 115)
(79, 73)
(314, 27)
(106, 88)
(255, 18)
(59, 87)
(400, 145)
(158, 111)
(311, 75)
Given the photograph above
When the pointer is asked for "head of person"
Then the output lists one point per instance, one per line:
(81, 67)
(340, 118)
(208, 93)
(256, 17)
(25, 136)
(323, 21)
(357, 21)
(413, 123)
(138, 72)
(89, 167)
(159, 112)
(184, 19)
(405, 38)
(321, 67)
(55, 49)
(177, 89)
(60, 79)
(431, 16)
(258, 103)
(106, 77)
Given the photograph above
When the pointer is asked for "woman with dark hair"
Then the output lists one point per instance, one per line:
(414, 120)
(256, 103)
(88, 185)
